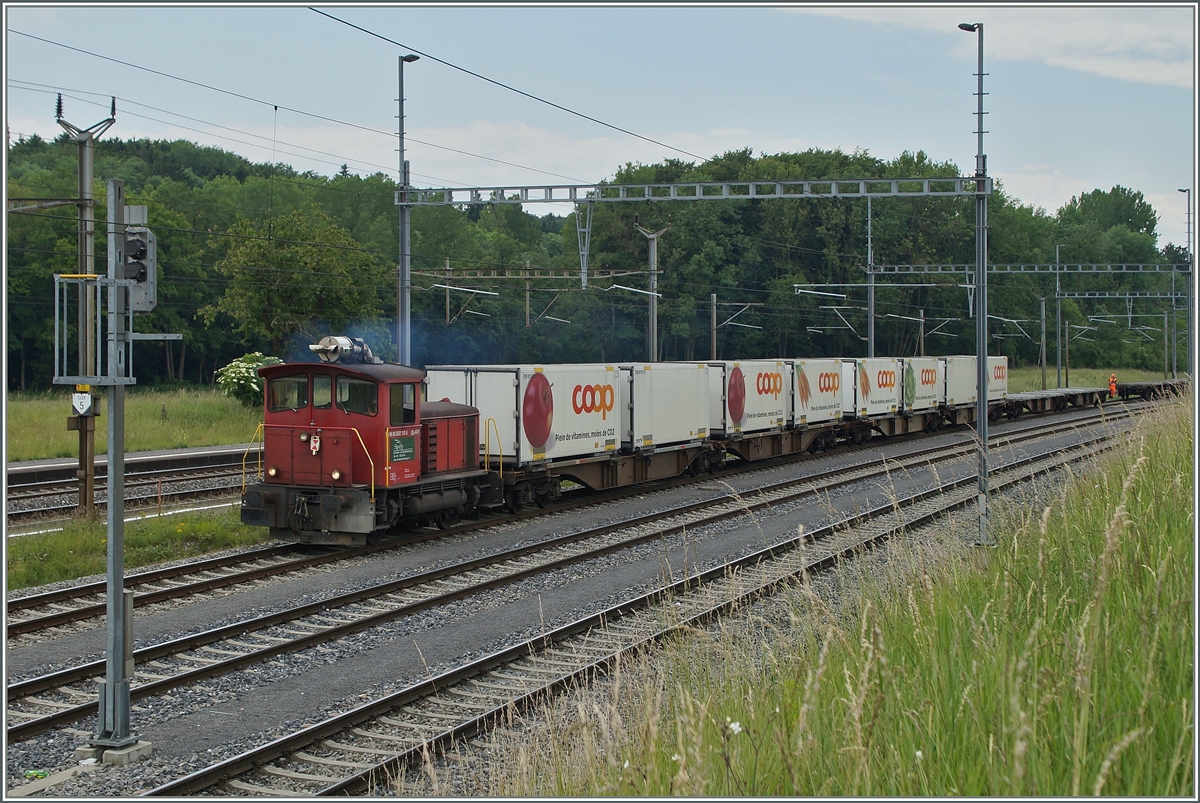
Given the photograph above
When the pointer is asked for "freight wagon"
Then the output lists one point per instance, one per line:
(355, 449)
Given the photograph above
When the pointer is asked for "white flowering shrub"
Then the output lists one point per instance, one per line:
(240, 379)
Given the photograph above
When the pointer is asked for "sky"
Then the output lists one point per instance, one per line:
(1077, 97)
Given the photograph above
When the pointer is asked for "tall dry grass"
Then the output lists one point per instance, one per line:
(1060, 663)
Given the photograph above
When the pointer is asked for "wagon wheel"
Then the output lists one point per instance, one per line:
(512, 500)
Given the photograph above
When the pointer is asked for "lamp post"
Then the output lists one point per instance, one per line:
(404, 296)
(1190, 369)
(981, 316)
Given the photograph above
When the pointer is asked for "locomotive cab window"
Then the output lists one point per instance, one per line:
(322, 392)
(357, 396)
(404, 409)
(287, 393)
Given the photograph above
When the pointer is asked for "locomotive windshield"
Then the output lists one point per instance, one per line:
(403, 405)
(357, 396)
(322, 391)
(287, 393)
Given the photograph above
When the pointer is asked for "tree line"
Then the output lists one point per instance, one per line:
(261, 257)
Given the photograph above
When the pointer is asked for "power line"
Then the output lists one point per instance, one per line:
(509, 88)
(285, 108)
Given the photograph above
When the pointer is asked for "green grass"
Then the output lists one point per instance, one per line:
(1059, 664)
(1030, 377)
(81, 549)
(176, 419)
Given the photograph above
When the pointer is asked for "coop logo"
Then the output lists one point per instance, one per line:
(769, 385)
(999, 372)
(928, 376)
(829, 383)
(885, 379)
(593, 399)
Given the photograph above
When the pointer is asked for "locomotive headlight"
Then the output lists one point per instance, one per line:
(303, 436)
(271, 471)
(337, 475)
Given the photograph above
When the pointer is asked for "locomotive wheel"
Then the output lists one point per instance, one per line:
(445, 519)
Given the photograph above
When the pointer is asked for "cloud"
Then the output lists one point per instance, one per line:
(1142, 45)
(567, 159)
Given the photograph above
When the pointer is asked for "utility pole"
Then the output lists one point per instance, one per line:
(1190, 289)
(1043, 300)
(447, 291)
(1166, 365)
(404, 300)
(526, 274)
(922, 335)
(713, 325)
(113, 740)
(84, 420)
(1058, 323)
(652, 329)
(870, 286)
(1067, 354)
(981, 331)
(1174, 332)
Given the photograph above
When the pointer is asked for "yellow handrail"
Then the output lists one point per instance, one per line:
(246, 454)
(368, 454)
(487, 445)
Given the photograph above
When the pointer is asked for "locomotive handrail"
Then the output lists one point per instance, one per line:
(367, 453)
(249, 446)
(487, 444)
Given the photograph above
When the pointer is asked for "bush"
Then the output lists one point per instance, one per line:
(240, 379)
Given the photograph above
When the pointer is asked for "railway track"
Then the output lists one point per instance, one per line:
(31, 615)
(63, 697)
(54, 499)
(36, 613)
(364, 750)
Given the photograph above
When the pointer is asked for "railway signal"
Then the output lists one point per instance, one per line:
(141, 264)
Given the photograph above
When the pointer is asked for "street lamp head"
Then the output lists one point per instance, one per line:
(970, 26)
(1184, 190)
(410, 58)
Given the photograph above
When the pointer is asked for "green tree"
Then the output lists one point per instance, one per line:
(1117, 207)
(307, 277)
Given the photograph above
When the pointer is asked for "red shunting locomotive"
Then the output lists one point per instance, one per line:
(350, 450)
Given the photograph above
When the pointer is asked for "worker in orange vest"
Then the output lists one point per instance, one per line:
(1112, 386)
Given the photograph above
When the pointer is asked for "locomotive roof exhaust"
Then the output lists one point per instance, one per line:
(335, 348)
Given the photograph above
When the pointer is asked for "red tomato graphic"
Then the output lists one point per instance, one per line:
(737, 395)
(537, 410)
